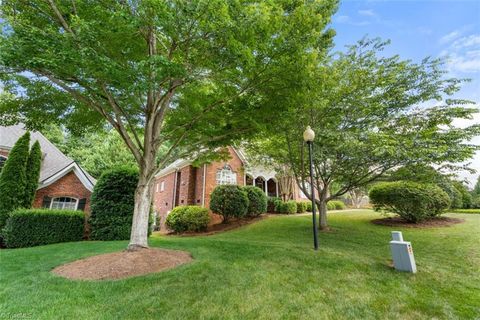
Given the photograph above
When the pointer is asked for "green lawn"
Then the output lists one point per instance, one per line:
(266, 270)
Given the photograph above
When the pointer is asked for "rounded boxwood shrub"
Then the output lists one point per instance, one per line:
(34, 227)
(412, 201)
(336, 205)
(272, 203)
(288, 207)
(257, 201)
(302, 206)
(188, 218)
(112, 204)
(229, 201)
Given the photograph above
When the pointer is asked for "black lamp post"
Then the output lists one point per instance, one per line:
(308, 136)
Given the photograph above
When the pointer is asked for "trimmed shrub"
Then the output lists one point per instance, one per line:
(309, 206)
(302, 206)
(412, 201)
(272, 203)
(188, 218)
(112, 204)
(336, 205)
(13, 178)
(257, 201)
(32, 172)
(330, 205)
(288, 207)
(229, 201)
(34, 227)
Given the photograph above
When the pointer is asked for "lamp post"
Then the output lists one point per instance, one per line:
(308, 136)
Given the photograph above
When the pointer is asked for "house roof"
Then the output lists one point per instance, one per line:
(55, 164)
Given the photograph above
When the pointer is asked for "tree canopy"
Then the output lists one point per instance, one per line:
(188, 74)
(371, 114)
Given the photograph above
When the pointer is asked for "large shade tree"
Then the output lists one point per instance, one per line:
(188, 74)
(371, 114)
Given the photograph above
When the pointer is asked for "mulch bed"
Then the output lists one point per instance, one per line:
(124, 264)
(432, 223)
(222, 227)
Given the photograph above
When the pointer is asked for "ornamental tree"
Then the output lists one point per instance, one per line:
(190, 75)
(13, 178)
(371, 114)
(32, 174)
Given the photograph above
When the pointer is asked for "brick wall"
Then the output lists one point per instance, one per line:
(191, 186)
(67, 186)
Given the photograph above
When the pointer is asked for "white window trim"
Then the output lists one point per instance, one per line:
(226, 176)
(76, 202)
(162, 186)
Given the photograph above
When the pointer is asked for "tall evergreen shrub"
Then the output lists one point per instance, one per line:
(112, 204)
(13, 178)
(32, 172)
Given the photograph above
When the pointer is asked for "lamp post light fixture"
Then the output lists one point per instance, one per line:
(308, 137)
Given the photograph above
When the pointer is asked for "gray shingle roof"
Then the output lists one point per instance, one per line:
(53, 161)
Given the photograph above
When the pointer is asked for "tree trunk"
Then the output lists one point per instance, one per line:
(322, 208)
(141, 213)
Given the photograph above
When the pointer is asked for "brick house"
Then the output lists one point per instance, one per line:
(181, 183)
(63, 184)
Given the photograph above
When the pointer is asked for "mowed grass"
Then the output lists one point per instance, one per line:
(267, 270)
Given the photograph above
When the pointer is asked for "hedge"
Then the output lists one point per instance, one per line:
(257, 201)
(229, 201)
(335, 205)
(34, 227)
(472, 211)
(288, 207)
(188, 218)
(112, 204)
(412, 201)
(272, 203)
(302, 206)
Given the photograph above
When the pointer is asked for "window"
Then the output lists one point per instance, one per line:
(2, 161)
(64, 203)
(226, 176)
(162, 186)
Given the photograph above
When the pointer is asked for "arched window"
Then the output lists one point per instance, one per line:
(64, 203)
(226, 176)
(2, 161)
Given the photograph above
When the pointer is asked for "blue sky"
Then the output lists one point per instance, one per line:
(418, 29)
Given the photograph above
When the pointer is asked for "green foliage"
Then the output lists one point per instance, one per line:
(473, 211)
(13, 178)
(32, 171)
(476, 189)
(362, 105)
(98, 151)
(188, 218)
(257, 201)
(302, 206)
(229, 201)
(287, 207)
(465, 196)
(34, 227)
(112, 204)
(412, 201)
(336, 205)
(272, 203)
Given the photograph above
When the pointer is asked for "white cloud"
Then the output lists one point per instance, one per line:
(450, 37)
(368, 13)
(464, 54)
(469, 41)
(350, 21)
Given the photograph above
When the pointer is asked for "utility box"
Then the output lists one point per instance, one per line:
(402, 253)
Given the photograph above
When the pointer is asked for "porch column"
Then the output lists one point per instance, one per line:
(276, 188)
